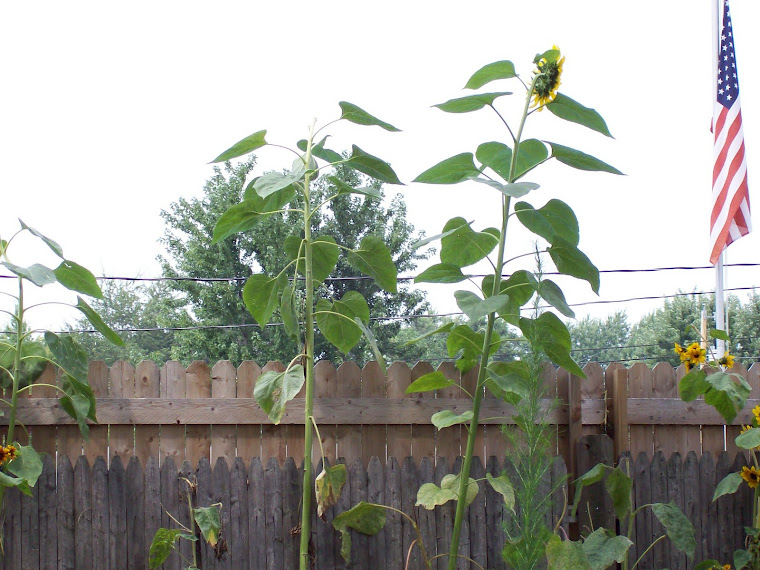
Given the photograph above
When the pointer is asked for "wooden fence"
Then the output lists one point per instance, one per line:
(201, 411)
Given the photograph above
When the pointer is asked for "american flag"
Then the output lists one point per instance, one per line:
(730, 217)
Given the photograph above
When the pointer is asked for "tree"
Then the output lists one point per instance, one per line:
(601, 340)
(187, 239)
(744, 329)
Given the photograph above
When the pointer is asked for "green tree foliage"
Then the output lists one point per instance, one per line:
(745, 330)
(190, 224)
(601, 340)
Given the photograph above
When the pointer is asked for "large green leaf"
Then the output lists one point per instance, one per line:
(550, 335)
(553, 219)
(363, 517)
(450, 171)
(441, 273)
(603, 549)
(79, 402)
(727, 393)
(336, 320)
(580, 160)
(570, 260)
(570, 110)
(552, 294)
(97, 322)
(503, 486)
(566, 555)
(693, 385)
(372, 166)
(464, 247)
(238, 218)
(728, 485)
(273, 390)
(678, 528)
(520, 287)
(498, 157)
(354, 114)
(619, 487)
(344, 188)
(430, 495)
(429, 382)
(21, 484)
(320, 151)
(328, 486)
(509, 381)
(207, 519)
(470, 103)
(272, 182)
(248, 144)
(491, 72)
(37, 273)
(77, 278)
(447, 418)
(27, 465)
(324, 255)
(749, 439)
(475, 307)
(52, 244)
(289, 313)
(515, 190)
(163, 544)
(261, 295)
(372, 342)
(374, 259)
(430, 239)
(33, 362)
(68, 354)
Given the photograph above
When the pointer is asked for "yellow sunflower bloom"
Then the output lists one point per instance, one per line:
(696, 353)
(751, 476)
(727, 361)
(726, 567)
(10, 452)
(746, 428)
(682, 353)
(549, 72)
(756, 413)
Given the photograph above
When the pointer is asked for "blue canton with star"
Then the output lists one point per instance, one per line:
(728, 82)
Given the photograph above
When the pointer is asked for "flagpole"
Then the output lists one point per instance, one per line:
(720, 310)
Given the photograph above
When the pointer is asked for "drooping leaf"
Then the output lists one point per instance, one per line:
(37, 273)
(272, 182)
(580, 160)
(728, 485)
(570, 260)
(261, 295)
(498, 157)
(320, 151)
(566, 555)
(163, 544)
(33, 362)
(289, 314)
(550, 335)
(593, 475)
(427, 240)
(207, 519)
(374, 259)
(554, 219)
(447, 418)
(363, 517)
(97, 322)
(566, 108)
(429, 382)
(273, 390)
(509, 381)
(519, 288)
(470, 103)
(552, 294)
(27, 465)
(441, 273)
(77, 278)
(742, 558)
(79, 403)
(450, 171)
(475, 307)
(430, 495)
(748, 439)
(719, 334)
(491, 72)
(727, 393)
(372, 342)
(324, 255)
(453, 482)
(464, 247)
(68, 354)
(463, 338)
(238, 218)
(354, 114)
(21, 484)
(678, 528)
(372, 166)
(603, 549)
(248, 144)
(515, 190)
(344, 188)
(336, 320)
(52, 244)
(440, 330)
(693, 385)
(619, 487)
(328, 486)
(503, 486)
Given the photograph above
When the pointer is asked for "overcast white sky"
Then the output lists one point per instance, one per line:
(110, 111)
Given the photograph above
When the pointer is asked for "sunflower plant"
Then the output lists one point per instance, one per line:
(508, 169)
(23, 358)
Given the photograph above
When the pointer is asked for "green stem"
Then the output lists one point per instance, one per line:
(309, 341)
(464, 474)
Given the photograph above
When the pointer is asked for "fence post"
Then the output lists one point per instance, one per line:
(595, 508)
(617, 410)
(574, 422)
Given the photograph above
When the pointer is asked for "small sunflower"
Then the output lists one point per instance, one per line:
(549, 71)
(746, 428)
(10, 452)
(696, 354)
(727, 361)
(756, 413)
(3, 455)
(682, 353)
(726, 567)
(751, 476)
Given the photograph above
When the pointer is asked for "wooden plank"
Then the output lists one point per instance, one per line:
(444, 517)
(692, 501)
(393, 532)
(464, 539)
(83, 514)
(135, 516)
(399, 437)
(44, 437)
(742, 511)
(494, 512)
(273, 527)
(477, 512)
(725, 520)
(595, 508)
(574, 423)
(562, 393)
(64, 496)
(642, 496)
(30, 528)
(69, 438)
(186, 472)
(559, 496)
(152, 499)
(147, 385)
(324, 533)
(238, 529)
(169, 504)
(248, 436)
(273, 440)
(204, 497)
(172, 385)
(325, 386)
(659, 494)
(376, 495)
(626, 465)
(97, 442)
(292, 481)
(349, 437)
(423, 436)
(373, 436)
(676, 494)
(409, 486)
(198, 437)
(448, 440)
(220, 493)
(12, 530)
(592, 388)
(639, 386)
(100, 518)
(713, 434)
(121, 438)
(666, 438)
(223, 437)
(257, 499)
(710, 542)
(343, 504)
(469, 382)
(117, 515)
(358, 488)
(425, 517)
(618, 397)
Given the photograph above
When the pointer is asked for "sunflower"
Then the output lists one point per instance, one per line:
(751, 476)
(756, 413)
(10, 452)
(682, 353)
(696, 354)
(548, 72)
(727, 361)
